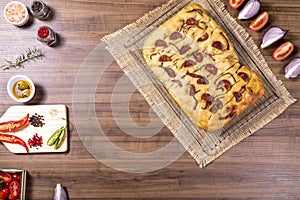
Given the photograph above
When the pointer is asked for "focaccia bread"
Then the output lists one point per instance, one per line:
(197, 63)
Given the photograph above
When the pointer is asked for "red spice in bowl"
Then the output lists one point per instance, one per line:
(43, 32)
(47, 36)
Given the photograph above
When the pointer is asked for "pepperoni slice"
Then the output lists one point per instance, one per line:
(198, 56)
(165, 58)
(231, 111)
(237, 96)
(175, 36)
(244, 76)
(191, 21)
(217, 45)
(160, 43)
(226, 84)
(207, 97)
(202, 81)
(231, 115)
(203, 38)
(184, 49)
(211, 69)
(188, 63)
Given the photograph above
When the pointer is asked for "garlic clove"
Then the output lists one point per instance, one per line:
(292, 70)
(60, 193)
(251, 8)
(272, 35)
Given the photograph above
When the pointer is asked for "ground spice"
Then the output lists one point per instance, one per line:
(37, 6)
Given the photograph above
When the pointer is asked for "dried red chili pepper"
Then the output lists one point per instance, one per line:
(35, 141)
(13, 125)
(13, 140)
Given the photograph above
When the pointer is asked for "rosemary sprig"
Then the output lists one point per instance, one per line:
(21, 59)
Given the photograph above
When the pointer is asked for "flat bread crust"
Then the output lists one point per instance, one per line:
(197, 63)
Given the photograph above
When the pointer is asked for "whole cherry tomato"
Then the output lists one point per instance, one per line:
(16, 177)
(235, 4)
(3, 193)
(283, 51)
(258, 23)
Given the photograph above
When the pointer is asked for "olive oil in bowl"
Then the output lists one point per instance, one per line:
(21, 88)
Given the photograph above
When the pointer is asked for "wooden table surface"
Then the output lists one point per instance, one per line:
(263, 166)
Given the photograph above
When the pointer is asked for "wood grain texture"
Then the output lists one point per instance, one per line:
(264, 166)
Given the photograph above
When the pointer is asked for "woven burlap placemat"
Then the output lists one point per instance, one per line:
(125, 46)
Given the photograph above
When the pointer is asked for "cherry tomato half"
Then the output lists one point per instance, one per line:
(283, 51)
(5, 177)
(235, 4)
(12, 197)
(258, 23)
(14, 189)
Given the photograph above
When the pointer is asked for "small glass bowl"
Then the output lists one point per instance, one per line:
(12, 83)
(16, 13)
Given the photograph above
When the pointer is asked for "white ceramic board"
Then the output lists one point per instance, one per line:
(55, 116)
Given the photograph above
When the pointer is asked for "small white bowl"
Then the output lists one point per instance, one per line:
(12, 83)
(16, 13)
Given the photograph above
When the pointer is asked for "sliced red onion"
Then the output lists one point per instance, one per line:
(251, 8)
(60, 193)
(272, 35)
(292, 70)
